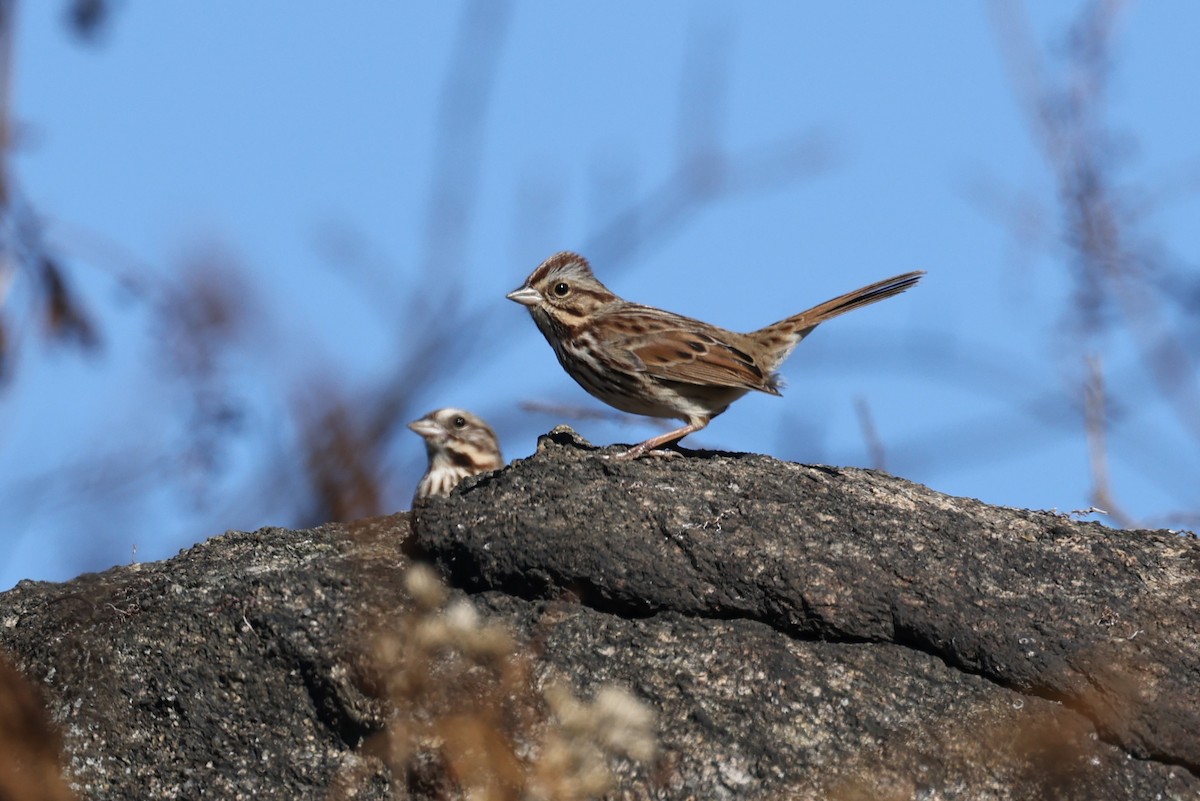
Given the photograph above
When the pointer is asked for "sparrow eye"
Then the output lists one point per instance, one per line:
(460, 422)
(562, 288)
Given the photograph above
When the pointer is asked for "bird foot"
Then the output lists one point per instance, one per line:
(638, 452)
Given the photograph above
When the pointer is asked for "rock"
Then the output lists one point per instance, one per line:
(897, 632)
(800, 632)
(218, 673)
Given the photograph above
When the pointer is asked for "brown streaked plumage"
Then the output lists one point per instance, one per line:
(648, 361)
(459, 444)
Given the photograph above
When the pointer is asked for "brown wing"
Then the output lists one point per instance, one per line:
(677, 348)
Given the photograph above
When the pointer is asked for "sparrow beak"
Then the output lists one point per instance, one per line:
(526, 296)
(425, 427)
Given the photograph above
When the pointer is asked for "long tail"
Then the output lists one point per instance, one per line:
(788, 333)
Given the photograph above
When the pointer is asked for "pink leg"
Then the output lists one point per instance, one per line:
(662, 439)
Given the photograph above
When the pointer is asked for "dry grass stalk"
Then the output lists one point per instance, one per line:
(468, 720)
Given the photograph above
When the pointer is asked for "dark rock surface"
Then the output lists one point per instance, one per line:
(950, 633)
(217, 674)
(801, 632)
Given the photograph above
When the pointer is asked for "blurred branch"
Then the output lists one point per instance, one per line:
(88, 19)
(1036, 414)
(201, 318)
(462, 127)
(1096, 424)
(1118, 273)
(571, 412)
(7, 24)
(702, 180)
(875, 449)
(23, 252)
(1109, 273)
(65, 318)
(705, 171)
(344, 475)
(107, 256)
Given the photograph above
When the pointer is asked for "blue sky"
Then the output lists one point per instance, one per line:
(272, 132)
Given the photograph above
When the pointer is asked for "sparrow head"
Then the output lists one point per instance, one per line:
(564, 289)
(455, 437)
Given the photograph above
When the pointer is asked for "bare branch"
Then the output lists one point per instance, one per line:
(1096, 425)
(878, 455)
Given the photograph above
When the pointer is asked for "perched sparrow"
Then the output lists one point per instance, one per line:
(459, 444)
(647, 361)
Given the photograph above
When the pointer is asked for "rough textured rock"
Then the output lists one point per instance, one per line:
(802, 632)
(1081, 627)
(219, 674)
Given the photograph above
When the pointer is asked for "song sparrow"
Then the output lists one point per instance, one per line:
(458, 444)
(648, 361)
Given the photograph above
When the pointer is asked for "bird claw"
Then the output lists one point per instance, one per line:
(637, 453)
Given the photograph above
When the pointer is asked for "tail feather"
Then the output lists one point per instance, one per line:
(786, 334)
